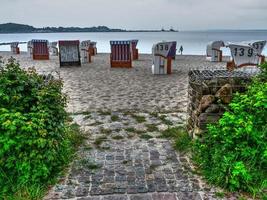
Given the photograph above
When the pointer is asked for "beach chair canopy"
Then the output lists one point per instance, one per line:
(134, 43)
(244, 54)
(53, 44)
(40, 47)
(121, 50)
(164, 49)
(215, 45)
(14, 44)
(257, 44)
(92, 44)
(85, 44)
(69, 52)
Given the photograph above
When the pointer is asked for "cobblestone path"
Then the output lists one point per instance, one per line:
(125, 158)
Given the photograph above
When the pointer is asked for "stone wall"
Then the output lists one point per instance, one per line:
(210, 93)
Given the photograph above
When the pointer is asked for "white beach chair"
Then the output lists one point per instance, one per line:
(245, 54)
(214, 52)
(53, 50)
(163, 53)
(85, 53)
(69, 53)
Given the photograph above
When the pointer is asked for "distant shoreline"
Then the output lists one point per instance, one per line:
(10, 28)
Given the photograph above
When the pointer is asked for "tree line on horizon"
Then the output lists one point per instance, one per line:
(22, 28)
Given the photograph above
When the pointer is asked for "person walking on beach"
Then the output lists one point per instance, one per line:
(181, 49)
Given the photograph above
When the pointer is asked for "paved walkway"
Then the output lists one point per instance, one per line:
(125, 158)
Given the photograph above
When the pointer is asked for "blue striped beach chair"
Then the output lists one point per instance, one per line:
(121, 54)
(40, 50)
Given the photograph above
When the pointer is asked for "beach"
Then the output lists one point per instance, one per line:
(122, 113)
(96, 86)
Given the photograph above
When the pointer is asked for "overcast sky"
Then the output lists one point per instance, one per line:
(138, 14)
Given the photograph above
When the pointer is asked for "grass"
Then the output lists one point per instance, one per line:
(146, 136)
(219, 195)
(99, 140)
(151, 127)
(138, 118)
(130, 129)
(165, 121)
(106, 131)
(115, 118)
(182, 141)
(117, 137)
(85, 163)
(104, 112)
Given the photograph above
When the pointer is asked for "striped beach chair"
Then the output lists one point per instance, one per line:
(85, 51)
(135, 55)
(40, 50)
(92, 48)
(214, 52)
(69, 53)
(53, 50)
(244, 54)
(15, 47)
(121, 54)
(163, 54)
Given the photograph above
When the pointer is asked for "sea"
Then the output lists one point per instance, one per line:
(193, 42)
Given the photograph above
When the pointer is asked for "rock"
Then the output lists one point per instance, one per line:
(207, 118)
(212, 85)
(205, 102)
(225, 93)
(213, 108)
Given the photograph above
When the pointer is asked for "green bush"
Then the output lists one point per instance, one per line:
(233, 153)
(35, 142)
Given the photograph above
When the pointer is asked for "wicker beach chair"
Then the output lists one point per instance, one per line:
(40, 50)
(14, 46)
(163, 54)
(245, 54)
(93, 48)
(85, 51)
(29, 48)
(135, 54)
(69, 53)
(214, 52)
(121, 54)
(53, 50)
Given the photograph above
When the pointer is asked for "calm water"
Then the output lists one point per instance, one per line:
(194, 42)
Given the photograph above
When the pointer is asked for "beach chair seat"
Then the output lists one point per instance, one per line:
(244, 54)
(163, 54)
(85, 51)
(93, 48)
(121, 54)
(53, 50)
(15, 47)
(69, 53)
(214, 52)
(40, 50)
(135, 54)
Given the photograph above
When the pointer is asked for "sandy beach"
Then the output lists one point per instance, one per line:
(96, 86)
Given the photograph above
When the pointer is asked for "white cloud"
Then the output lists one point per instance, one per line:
(138, 14)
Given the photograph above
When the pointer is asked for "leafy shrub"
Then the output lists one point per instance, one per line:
(35, 142)
(233, 153)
